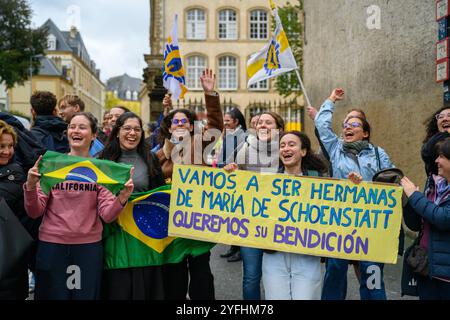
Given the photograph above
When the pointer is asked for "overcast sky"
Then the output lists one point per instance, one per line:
(115, 32)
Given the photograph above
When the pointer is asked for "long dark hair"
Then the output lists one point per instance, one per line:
(167, 122)
(310, 161)
(444, 148)
(113, 151)
(236, 114)
(431, 124)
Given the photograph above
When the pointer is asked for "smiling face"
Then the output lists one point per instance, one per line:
(130, 134)
(6, 148)
(443, 120)
(266, 127)
(66, 110)
(180, 126)
(291, 152)
(229, 123)
(114, 114)
(80, 133)
(353, 130)
(443, 165)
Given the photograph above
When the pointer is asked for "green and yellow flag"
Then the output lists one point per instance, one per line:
(139, 236)
(58, 167)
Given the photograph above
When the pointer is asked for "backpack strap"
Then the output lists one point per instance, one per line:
(377, 154)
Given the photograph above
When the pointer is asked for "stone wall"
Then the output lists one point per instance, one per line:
(388, 72)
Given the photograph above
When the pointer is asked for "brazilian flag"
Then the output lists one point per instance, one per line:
(58, 167)
(139, 236)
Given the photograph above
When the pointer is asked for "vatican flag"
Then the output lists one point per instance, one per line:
(274, 59)
(173, 74)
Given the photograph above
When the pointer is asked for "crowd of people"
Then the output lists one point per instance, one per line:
(69, 226)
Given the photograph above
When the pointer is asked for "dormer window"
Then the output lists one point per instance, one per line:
(135, 95)
(51, 42)
(128, 95)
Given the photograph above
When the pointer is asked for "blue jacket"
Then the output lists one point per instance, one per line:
(342, 162)
(438, 216)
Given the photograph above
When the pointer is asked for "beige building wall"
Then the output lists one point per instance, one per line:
(212, 48)
(85, 83)
(19, 96)
(81, 81)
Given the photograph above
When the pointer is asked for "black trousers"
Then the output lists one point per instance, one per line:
(193, 274)
(68, 271)
(144, 283)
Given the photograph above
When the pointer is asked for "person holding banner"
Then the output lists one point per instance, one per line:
(290, 276)
(182, 146)
(351, 153)
(69, 260)
(233, 136)
(126, 144)
(259, 153)
(429, 213)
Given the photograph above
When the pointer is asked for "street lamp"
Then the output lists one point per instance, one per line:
(31, 71)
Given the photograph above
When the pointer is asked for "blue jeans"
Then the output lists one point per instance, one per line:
(290, 276)
(252, 272)
(371, 282)
(54, 271)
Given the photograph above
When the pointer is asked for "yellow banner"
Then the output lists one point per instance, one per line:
(315, 216)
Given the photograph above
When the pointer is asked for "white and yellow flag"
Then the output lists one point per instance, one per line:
(275, 58)
(173, 74)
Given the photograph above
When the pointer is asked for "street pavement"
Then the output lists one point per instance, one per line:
(228, 278)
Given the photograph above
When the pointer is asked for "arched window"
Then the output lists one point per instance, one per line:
(116, 93)
(51, 42)
(135, 95)
(128, 95)
(194, 67)
(259, 25)
(196, 24)
(228, 24)
(227, 73)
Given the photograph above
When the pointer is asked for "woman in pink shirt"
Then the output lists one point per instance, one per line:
(69, 259)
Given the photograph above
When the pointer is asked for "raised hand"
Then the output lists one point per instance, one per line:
(208, 80)
(229, 168)
(337, 94)
(167, 104)
(33, 175)
(125, 193)
(312, 112)
(408, 186)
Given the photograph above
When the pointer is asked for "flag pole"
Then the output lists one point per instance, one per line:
(303, 88)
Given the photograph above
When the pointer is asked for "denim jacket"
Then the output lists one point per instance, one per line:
(341, 161)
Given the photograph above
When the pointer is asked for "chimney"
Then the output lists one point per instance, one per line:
(73, 32)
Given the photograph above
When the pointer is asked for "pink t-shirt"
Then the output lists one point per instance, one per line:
(72, 212)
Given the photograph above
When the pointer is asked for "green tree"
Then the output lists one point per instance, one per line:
(288, 83)
(18, 42)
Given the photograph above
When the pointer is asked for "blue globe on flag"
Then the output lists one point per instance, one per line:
(82, 174)
(151, 215)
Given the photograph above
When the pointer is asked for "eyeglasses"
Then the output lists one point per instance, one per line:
(128, 129)
(442, 116)
(351, 125)
(177, 121)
